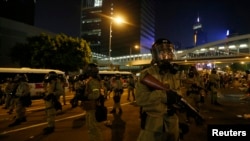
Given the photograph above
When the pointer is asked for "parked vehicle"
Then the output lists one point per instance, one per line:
(35, 78)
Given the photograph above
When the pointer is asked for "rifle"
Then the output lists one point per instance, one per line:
(174, 99)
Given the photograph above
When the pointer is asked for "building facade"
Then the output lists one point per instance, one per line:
(11, 33)
(106, 37)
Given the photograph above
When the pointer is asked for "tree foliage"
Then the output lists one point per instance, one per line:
(238, 67)
(59, 52)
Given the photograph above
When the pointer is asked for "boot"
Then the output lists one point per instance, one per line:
(15, 123)
(23, 119)
(48, 130)
(74, 103)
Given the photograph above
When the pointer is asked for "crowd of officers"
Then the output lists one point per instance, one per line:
(159, 121)
(109, 85)
(196, 89)
(16, 97)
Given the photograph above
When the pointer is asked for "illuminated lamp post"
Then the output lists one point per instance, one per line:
(116, 20)
(130, 50)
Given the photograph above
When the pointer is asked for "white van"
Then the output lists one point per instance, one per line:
(35, 78)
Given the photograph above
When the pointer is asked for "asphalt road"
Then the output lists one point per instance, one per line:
(70, 123)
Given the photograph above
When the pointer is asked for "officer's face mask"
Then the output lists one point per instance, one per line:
(191, 74)
(165, 52)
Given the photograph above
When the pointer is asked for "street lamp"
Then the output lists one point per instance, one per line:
(110, 36)
(130, 50)
(117, 20)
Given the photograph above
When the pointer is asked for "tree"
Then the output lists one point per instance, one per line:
(59, 52)
(238, 67)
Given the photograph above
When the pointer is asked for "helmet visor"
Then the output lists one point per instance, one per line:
(165, 51)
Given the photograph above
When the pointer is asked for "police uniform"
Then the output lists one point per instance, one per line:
(214, 84)
(131, 87)
(10, 99)
(160, 125)
(55, 88)
(79, 86)
(21, 91)
(92, 92)
(193, 94)
(118, 90)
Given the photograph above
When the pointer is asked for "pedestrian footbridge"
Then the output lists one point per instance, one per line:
(231, 49)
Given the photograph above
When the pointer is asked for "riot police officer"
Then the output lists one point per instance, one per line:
(158, 122)
(20, 94)
(91, 94)
(79, 86)
(53, 90)
(118, 91)
(194, 90)
(194, 86)
(214, 80)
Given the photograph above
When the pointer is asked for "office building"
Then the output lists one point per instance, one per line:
(104, 35)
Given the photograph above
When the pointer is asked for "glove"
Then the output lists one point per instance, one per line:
(172, 98)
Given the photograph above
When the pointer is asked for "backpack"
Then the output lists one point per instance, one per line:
(101, 112)
(26, 100)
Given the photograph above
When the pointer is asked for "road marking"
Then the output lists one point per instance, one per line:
(40, 124)
(44, 123)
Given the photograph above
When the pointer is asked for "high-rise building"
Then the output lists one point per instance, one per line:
(18, 10)
(200, 37)
(98, 28)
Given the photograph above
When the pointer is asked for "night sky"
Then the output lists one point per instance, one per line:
(174, 18)
(59, 16)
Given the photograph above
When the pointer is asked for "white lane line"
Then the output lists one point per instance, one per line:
(40, 124)
(44, 123)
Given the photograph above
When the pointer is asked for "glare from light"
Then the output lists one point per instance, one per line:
(203, 49)
(232, 46)
(118, 20)
(243, 46)
(221, 47)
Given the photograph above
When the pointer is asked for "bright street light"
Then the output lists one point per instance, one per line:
(130, 51)
(118, 20)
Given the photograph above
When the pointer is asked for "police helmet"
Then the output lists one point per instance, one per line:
(82, 76)
(61, 77)
(50, 76)
(213, 71)
(91, 70)
(192, 71)
(117, 76)
(162, 49)
(20, 77)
